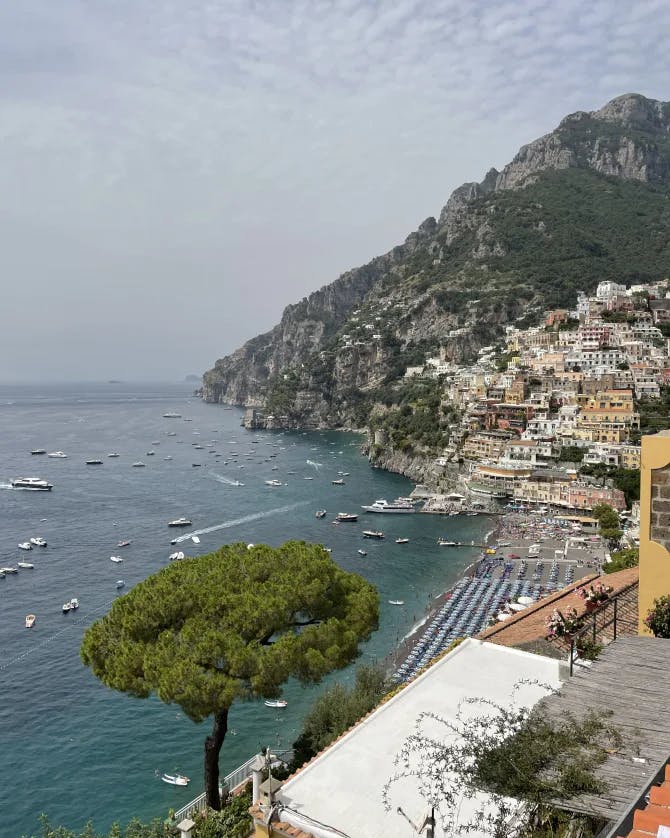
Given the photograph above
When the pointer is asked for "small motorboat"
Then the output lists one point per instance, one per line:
(402, 540)
(396, 602)
(151, 453)
(116, 559)
(120, 583)
(38, 541)
(361, 552)
(339, 482)
(176, 556)
(175, 779)
(347, 517)
(74, 603)
(67, 607)
(29, 565)
(59, 455)
(180, 522)
(167, 458)
(196, 465)
(39, 451)
(139, 464)
(113, 454)
(9, 569)
(25, 545)
(320, 513)
(30, 620)
(195, 539)
(443, 543)
(93, 462)
(123, 543)
(373, 534)
(275, 702)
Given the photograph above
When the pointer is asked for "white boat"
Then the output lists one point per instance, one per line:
(171, 415)
(402, 540)
(176, 556)
(9, 569)
(151, 453)
(339, 482)
(25, 564)
(180, 522)
(113, 454)
(74, 603)
(59, 455)
(396, 602)
(94, 462)
(25, 545)
(273, 483)
(361, 552)
(67, 607)
(116, 559)
(34, 483)
(30, 621)
(138, 464)
(38, 541)
(398, 507)
(39, 451)
(123, 543)
(167, 458)
(120, 583)
(275, 702)
(444, 543)
(346, 517)
(175, 779)
(320, 513)
(195, 539)
(373, 534)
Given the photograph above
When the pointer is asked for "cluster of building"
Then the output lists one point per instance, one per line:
(573, 382)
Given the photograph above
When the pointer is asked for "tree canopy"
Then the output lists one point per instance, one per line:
(231, 625)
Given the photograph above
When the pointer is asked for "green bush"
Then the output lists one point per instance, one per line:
(658, 618)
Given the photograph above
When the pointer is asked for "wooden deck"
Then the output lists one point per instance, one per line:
(631, 678)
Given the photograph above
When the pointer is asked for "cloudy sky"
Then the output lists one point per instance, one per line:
(174, 172)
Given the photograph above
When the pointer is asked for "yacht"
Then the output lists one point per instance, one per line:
(397, 507)
(34, 483)
(171, 415)
(39, 451)
(30, 621)
(172, 433)
(70, 605)
(9, 570)
(60, 455)
(339, 482)
(396, 602)
(346, 517)
(38, 541)
(373, 534)
(175, 779)
(25, 545)
(180, 522)
(74, 602)
(169, 457)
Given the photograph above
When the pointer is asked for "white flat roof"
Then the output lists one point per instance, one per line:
(342, 788)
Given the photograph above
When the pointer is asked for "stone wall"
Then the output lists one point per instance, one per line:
(660, 506)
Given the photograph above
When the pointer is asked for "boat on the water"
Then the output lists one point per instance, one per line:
(39, 451)
(361, 552)
(373, 534)
(34, 483)
(396, 602)
(120, 583)
(175, 779)
(320, 513)
(94, 462)
(180, 522)
(30, 620)
(400, 506)
(402, 540)
(273, 483)
(275, 702)
(25, 545)
(171, 415)
(444, 543)
(38, 541)
(116, 559)
(9, 569)
(176, 556)
(346, 517)
(58, 455)
(138, 464)
(339, 482)
(113, 454)
(123, 543)
(25, 564)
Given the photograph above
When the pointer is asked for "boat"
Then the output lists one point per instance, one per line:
(9, 569)
(34, 483)
(167, 458)
(113, 454)
(116, 559)
(373, 534)
(444, 543)
(120, 583)
(398, 507)
(180, 522)
(67, 607)
(339, 482)
(196, 465)
(123, 543)
(171, 415)
(195, 539)
(39, 451)
(273, 483)
(402, 540)
(138, 464)
(346, 516)
(25, 545)
(320, 513)
(74, 603)
(176, 556)
(396, 602)
(172, 433)
(25, 564)
(308, 478)
(275, 702)
(59, 455)
(38, 541)
(175, 779)
(361, 552)
(30, 621)
(93, 462)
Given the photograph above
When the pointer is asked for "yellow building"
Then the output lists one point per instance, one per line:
(654, 523)
(631, 456)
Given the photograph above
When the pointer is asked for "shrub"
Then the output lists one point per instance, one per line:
(658, 618)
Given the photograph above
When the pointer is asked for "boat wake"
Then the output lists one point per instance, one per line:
(314, 465)
(225, 480)
(5, 485)
(256, 516)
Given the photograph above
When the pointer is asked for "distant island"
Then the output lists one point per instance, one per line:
(114, 381)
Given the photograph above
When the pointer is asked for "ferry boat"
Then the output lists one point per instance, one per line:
(34, 483)
(397, 507)
(373, 534)
(346, 516)
(180, 522)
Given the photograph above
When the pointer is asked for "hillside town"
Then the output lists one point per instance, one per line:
(557, 397)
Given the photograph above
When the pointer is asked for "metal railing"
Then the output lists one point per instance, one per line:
(615, 616)
(231, 781)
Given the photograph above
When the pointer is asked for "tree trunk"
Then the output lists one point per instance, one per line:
(213, 745)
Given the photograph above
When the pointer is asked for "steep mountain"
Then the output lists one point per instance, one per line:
(586, 202)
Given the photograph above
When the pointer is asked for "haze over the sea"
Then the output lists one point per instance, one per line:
(173, 174)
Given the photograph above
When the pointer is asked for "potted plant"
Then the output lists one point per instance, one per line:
(563, 625)
(594, 595)
(658, 618)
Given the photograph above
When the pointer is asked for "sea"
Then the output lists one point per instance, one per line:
(78, 751)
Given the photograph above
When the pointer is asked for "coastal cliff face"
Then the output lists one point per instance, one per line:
(585, 202)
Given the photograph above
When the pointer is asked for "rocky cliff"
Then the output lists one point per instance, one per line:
(585, 202)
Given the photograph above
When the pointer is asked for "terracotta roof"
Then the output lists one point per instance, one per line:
(529, 625)
(655, 813)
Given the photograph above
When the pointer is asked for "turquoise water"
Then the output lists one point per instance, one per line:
(79, 751)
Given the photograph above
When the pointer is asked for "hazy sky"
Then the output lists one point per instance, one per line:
(174, 172)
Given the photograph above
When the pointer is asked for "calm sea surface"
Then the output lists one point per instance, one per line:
(73, 748)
